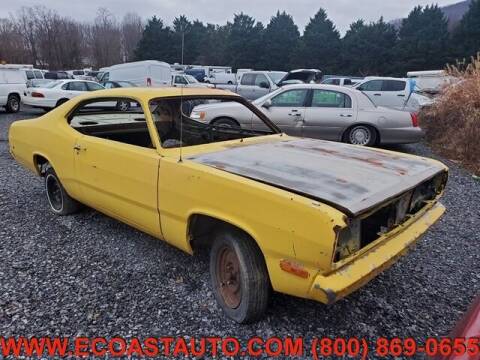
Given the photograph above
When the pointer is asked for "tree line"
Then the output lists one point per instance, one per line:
(423, 41)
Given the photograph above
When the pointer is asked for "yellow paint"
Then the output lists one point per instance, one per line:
(154, 192)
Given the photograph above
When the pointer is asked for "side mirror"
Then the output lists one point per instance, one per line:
(267, 104)
(264, 85)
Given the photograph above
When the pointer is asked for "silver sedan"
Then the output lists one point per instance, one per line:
(322, 112)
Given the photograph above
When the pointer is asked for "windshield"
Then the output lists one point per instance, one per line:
(276, 76)
(191, 79)
(51, 84)
(190, 120)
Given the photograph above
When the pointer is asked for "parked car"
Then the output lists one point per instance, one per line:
(431, 81)
(57, 92)
(301, 76)
(340, 81)
(323, 112)
(254, 84)
(57, 75)
(12, 87)
(305, 217)
(221, 78)
(392, 92)
(141, 73)
(185, 80)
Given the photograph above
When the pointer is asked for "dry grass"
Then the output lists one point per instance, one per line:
(452, 124)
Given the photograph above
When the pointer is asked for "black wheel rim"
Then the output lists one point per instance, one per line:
(14, 104)
(54, 193)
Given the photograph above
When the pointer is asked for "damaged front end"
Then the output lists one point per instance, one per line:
(367, 228)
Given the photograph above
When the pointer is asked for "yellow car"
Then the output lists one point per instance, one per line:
(309, 218)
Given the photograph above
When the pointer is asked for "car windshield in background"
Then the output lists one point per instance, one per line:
(179, 122)
(276, 76)
(191, 79)
(126, 84)
(52, 84)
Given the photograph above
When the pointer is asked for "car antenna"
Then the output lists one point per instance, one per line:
(181, 101)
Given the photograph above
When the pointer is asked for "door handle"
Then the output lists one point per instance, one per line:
(295, 114)
(346, 115)
(401, 95)
(377, 94)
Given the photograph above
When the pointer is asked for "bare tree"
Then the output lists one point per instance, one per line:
(12, 47)
(132, 29)
(105, 39)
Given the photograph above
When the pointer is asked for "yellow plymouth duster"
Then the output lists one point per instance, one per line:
(309, 218)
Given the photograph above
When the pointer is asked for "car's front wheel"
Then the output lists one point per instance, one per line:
(13, 104)
(226, 122)
(123, 105)
(60, 202)
(361, 135)
(239, 276)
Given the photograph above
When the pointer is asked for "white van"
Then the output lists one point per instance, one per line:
(12, 87)
(141, 73)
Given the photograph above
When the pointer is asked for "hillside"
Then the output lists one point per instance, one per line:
(453, 13)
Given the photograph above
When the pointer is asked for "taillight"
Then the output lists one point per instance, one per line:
(149, 82)
(414, 119)
(37, 94)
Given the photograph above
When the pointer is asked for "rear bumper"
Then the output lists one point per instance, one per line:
(401, 135)
(332, 287)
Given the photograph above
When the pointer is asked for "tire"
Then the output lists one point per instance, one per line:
(60, 202)
(239, 276)
(230, 83)
(363, 135)
(226, 122)
(13, 104)
(60, 102)
(123, 105)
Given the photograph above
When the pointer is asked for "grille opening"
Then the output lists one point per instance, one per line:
(397, 212)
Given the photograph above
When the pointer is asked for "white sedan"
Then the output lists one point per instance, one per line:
(326, 112)
(56, 93)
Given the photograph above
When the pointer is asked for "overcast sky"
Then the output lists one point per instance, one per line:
(341, 12)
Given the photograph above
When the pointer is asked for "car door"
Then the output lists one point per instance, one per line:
(327, 114)
(247, 86)
(117, 173)
(394, 93)
(287, 110)
(262, 86)
(373, 89)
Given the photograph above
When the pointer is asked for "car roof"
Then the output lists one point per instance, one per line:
(320, 87)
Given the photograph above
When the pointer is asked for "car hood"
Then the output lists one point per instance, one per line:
(351, 178)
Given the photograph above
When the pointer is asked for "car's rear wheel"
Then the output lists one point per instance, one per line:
(123, 105)
(239, 276)
(60, 202)
(226, 122)
(361, 135)
(13, 104)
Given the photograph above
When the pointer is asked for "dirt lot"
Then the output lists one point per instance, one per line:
(90, 275)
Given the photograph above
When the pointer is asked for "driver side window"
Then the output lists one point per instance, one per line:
(293, 98)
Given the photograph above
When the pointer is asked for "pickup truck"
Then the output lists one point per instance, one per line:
(254, 84)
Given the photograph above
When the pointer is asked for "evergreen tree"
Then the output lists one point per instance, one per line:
(156, 42)
(467, 35)
(244, 42)
(320, 47)
(281, 39)
(367, 49)
(423, 40)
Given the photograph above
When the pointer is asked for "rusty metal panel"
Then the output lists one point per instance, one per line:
(351, 178)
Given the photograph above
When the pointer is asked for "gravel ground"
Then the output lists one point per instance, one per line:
(91, 275)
